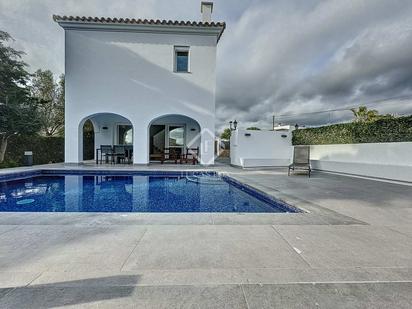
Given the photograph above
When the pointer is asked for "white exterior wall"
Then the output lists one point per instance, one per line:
(383, 160)
(131, 74)
(260, 149)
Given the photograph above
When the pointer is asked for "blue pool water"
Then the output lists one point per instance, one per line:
(133, 193)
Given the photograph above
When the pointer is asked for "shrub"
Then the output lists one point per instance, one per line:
(45, 149)
(380, 131)
(9, 163)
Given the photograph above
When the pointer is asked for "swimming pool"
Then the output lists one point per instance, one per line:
(52, 191)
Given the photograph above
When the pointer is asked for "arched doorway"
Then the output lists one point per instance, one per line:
(88, 141)
(177, 132)
(104, 129)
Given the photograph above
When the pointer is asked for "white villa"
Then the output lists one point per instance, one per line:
(149, 83)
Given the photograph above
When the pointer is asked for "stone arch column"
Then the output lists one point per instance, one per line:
(140, 143)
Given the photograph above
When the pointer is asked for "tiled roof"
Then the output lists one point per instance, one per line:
(133, 21)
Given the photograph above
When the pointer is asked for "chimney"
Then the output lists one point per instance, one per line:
(206, 8)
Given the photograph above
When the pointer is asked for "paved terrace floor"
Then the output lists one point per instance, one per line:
(352, 249)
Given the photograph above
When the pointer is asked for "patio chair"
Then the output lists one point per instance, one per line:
(119, 153)
(301, 159)
(172, 154)
(107, 152)
(129, 153)
(191, 155)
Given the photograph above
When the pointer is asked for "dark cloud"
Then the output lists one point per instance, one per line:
(276, 56)
(293, 59)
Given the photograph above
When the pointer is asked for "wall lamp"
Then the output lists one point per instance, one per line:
(233, 125)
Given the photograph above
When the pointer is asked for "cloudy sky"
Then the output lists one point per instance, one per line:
(277, 57)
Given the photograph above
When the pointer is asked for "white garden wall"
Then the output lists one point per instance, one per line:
(260, 148)
(392, 161)
(384, 160)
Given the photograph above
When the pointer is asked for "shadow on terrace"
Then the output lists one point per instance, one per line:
(69, 293)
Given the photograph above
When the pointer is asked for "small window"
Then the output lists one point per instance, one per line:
(182, 59)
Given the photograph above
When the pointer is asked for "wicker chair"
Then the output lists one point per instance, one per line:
(171, 154)
(191, 156)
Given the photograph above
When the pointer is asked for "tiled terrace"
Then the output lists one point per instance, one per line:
(352, 249)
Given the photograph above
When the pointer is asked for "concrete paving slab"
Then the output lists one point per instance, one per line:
(90, 278)
(267, 219)
(16, 279)
(39, 248)
(348, 295)
(374, 202)
(223, 296)
(324, 275)
(149, 219)
(349, 246)
(142, 277)
(4, 291)
(381, 213)
(6, 228)
(203, 247)
(403, 229)
(100, 219)
(221, 276)
(46, 218)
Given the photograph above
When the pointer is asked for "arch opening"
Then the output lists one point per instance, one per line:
(173, 132)
(88, 140)
(105, 129)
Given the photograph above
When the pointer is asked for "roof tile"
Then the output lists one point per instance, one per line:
(58, 18)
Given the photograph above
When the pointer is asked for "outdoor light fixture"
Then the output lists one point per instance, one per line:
(234, 123)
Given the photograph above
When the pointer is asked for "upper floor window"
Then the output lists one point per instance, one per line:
(181, 59)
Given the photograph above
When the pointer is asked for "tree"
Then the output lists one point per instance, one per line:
(365, 115)
(60, 97)
(226, 134)
(253, 129)
(50, 96)
(18, 112)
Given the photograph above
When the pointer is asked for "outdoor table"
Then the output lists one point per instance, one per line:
(128, 149)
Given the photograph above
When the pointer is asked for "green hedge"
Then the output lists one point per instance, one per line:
(45, 149)
(380, 131)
